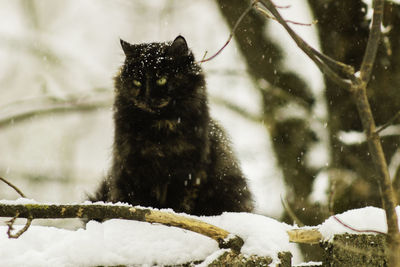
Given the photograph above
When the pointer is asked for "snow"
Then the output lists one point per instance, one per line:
(352, 137)
(212, 257)
(117, 242)
(364, 219)
(110, 243)
(355, 137)
(263, 236)
(19, 201)
(320, 189)
(23, 201)
(310, 263)
(394, 164)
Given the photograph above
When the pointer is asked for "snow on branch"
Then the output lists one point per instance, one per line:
(127, 212)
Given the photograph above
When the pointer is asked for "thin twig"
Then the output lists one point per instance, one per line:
(356, 230)
(11, 222)
(237, 109)
(373, 42)
(231, 34)
(331, 198)
(54, 109)
(327, 65)
(283, 7)
(204, 56)
(265, 13)
(387, 124)
(13, 187)
(291, 213)
(396, 182)
(342, 69)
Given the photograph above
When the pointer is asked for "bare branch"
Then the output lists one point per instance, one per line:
(10, 224)
(265, 13)
(390, 122)
(283, 7)
(13, 187)
(291, 213)
(396, 182)
(46, 106)
(328, 66)
(239, 110)
(373, 42)
(231, 34)
(331, 198)
(356, 230)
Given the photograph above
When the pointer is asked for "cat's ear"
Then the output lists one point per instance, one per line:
(178, 47)
(127, 47)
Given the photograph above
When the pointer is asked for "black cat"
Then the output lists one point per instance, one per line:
(168, 152)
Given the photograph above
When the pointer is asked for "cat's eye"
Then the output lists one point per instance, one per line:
(162, 81)
(137, 83)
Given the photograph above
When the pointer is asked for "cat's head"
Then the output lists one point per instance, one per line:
(155, 76)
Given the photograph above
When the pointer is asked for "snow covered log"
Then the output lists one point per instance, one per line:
(127, 212)
(120, 242)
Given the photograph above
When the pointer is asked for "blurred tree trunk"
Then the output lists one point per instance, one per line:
(291, 137)
(343, 31)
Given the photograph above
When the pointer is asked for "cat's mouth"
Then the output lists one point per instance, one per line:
(152, 106)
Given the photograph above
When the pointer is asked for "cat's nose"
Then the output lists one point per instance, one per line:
(147, 92)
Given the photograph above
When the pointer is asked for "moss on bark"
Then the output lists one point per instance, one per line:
(355, 250)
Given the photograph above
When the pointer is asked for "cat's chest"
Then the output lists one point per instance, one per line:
(166, 126)
(164, 138)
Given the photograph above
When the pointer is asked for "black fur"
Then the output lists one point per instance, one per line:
(168, 152)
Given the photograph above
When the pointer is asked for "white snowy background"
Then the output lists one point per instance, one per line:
(119, 242)
(60, 50)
